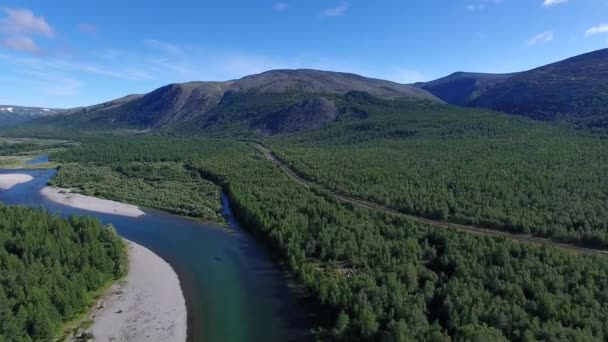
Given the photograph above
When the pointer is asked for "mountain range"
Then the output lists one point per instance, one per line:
(575, 90)
(278, 101)
(271, 102)
(15, 115)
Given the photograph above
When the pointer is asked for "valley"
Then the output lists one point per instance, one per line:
(223, 274)
(344, 254)
(313, 205)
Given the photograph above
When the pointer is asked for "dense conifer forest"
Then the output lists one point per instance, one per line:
(49, 268)
(375, 277)
(464, 166)
(165, 186)
(11, 147)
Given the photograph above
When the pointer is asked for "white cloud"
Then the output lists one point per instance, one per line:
(19, 25)
(24, 44)
(549, 3)
(602, 28)
(336, 11)
(280, 6)
(542, 37)
(23, 21)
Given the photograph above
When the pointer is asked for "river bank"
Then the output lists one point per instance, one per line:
(234, 291)
(7, 181)
(147, 305)
(75, 200)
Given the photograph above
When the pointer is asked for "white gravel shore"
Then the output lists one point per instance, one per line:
(7, 181)
(146, 306)
(66, 197)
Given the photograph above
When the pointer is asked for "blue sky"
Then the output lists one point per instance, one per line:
(69, 53)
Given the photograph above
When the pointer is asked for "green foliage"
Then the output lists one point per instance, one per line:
(8, 149)
(165, 186)
(48, 268)
(463, 166)
(25, 147)
(375, 277)
(341, 323)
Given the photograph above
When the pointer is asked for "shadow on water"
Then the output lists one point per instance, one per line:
(233, 289)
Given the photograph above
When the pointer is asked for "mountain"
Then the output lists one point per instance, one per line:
(103, 106)
(271, 102)
(460, 88)
(15, 115)
(575, 90)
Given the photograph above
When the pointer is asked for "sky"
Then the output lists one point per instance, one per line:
(69, 53)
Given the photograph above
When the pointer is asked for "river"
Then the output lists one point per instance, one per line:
(233, 290)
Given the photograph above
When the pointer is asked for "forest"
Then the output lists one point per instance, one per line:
(374, 277)
(10, 147)
(463, 166)
(164, 186)
(50, 268)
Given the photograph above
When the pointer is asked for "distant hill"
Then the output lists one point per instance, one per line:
(460, 88)
(15, 115)
(270, 102)
(103, 106)
(575, 90)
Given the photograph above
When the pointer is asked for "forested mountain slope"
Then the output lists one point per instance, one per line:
(271, 102)
(463, 165)
(460, 88)
(574, 90)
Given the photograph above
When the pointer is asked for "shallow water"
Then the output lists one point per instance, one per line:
(233, 290)
(38, 160)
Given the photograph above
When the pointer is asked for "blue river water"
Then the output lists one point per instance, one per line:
(234, 291)
(38, 160)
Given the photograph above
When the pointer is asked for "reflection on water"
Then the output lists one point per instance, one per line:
(233, 290)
